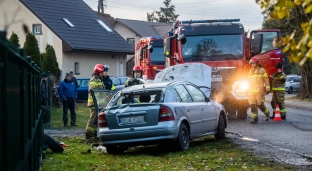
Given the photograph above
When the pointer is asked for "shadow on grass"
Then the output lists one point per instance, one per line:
(163, 149)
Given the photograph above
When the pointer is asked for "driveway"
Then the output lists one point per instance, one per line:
(284, 141)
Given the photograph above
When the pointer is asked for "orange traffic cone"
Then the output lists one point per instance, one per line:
(277, 114)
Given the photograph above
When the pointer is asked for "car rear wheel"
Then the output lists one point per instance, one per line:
(290, 90)
(221, 129)
(113, 149)
(183, 140)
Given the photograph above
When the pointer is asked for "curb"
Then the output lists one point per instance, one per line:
(293, 105)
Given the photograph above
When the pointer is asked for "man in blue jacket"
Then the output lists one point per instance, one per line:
(68, 93)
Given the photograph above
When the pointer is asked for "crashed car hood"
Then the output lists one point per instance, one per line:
(196, 73)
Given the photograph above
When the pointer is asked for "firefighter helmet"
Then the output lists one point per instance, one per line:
(106, 68)
(137, 68)
(98, 68)
(254, 60)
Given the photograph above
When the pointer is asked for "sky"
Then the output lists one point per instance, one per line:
(247, 11)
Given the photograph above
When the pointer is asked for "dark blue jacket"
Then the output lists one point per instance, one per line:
(108, 83)
(67, 89)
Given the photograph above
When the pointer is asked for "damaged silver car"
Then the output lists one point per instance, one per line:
(153, 113)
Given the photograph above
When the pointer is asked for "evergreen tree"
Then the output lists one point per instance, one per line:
(14, 39)
(49, 62)
(165, 14)
(31, 48)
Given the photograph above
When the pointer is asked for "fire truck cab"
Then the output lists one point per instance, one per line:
(149, 55)
(224, 46)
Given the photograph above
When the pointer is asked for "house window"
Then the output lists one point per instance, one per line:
(68, 22)
(104, 25)
(77, 68)
(131, 41)
(37, 29)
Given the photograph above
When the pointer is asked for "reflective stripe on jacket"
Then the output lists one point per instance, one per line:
(95, 83)
(279, 81)
(258, 78)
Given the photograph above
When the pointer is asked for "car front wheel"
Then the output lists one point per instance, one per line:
(221, 129)
(183, 140)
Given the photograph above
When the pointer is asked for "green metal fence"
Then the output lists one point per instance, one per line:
(21, 131)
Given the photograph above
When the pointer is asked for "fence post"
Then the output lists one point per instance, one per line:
(48, 125)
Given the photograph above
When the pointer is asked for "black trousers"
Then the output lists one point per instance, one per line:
(71, 105)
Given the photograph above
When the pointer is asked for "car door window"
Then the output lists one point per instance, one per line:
(296, 79)
(116, 81)
(123, 81)
(182, 94)
(196, 94)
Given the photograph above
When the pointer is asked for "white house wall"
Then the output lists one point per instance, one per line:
(87, 61)
(24, 16)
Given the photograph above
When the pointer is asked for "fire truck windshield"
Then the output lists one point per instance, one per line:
(157, 56)
(213, 48)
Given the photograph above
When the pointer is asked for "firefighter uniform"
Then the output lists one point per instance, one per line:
(133, 81)
(95, 83)
(257, 78)
(278, 89)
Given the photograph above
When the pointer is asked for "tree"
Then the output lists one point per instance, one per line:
(31, 48)
(49, 61)
(294, 20)
(14, 39)
(165, 14)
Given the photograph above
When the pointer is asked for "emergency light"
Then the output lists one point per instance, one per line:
(209, 21)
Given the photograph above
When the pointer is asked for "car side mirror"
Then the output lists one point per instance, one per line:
(167, 47)
(182, 39)
(292, 81)
(207, 99)
(257, 44)
(150, 48)
(141, 54)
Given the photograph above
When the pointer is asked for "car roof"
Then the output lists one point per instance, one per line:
(159, 85)
(82, 78)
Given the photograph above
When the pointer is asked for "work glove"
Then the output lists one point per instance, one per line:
(283, 80)
(267, 92)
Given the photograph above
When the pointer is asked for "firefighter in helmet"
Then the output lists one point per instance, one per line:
(257, 79)
(95, 83)
(136, 73)
(278, 89)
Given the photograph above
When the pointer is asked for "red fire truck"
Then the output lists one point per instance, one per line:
(224, 46)
(149, 55)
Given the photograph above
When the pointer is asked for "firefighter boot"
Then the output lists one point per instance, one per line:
(283, 117)
(89, 135)
(254, 121)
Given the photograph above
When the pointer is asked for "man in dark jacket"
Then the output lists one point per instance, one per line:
(68, 93)
(74, 79)
(44, 89)
(108, 83)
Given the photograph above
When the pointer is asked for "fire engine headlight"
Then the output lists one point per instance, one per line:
(241, 86)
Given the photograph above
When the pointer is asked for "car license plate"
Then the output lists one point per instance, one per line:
(216, 79)
(131, 120)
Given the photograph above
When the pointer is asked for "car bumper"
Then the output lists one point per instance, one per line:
(162, 131)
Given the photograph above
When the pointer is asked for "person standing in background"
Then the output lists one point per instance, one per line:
(68, 93)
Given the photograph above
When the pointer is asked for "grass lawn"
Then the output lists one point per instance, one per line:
(204, 154)
(82, 112)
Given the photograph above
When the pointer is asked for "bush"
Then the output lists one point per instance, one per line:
(31, 48)
(14, 39)
(49, 61)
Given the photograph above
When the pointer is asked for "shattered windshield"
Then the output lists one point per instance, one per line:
(213, 48)
(144, 96)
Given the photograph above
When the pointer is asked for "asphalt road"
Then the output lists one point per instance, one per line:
(287, 141)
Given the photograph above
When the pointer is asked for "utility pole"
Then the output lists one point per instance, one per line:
(101, 6)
